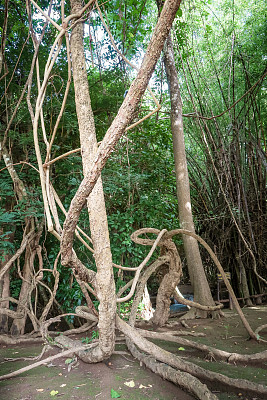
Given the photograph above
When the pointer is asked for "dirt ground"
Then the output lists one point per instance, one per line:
(123, 377)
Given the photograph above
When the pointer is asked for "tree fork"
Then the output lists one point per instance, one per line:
(117, 128)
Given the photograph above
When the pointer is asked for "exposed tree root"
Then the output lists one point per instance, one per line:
(191, 303)
(182, 379)
(185, 333)
(35, 358)
(166, 364)
(38, 338)
(69, 343)
(9, 340)
(260, 328)
(199, 312)
(172, 332)
(211, 351)
(46, 360)
(176, 362)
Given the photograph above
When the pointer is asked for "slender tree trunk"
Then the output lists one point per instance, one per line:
(243, 281)
(4, 292)
(198, 278)
(104, 282)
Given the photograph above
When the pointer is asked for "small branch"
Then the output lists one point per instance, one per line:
(18, 163)
(46, 16)
(14, 70)
(211, 351)
(23, 245)
(46, 164)
(134, 67)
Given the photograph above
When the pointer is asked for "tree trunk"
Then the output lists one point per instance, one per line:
(197, 275)
(104, 282)
(168, 283)
(5, 282)
(4, 292)
(118, 126)
(243, 281)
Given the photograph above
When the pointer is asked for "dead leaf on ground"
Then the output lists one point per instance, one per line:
(50, 365)
(130, 384)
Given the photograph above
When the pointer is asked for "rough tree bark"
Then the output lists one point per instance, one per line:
(197, 275)
(104, 281)
(120, 123)
(168, 284)
(4, 293)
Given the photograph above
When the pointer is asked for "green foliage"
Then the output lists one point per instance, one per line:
(222, 55)
(124, 309)
(7, 247)
(87, 340)
(15, 286)
(114, 394)
(130, 24)
(69, 297)
(139, 179)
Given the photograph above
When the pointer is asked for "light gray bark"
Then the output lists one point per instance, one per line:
(198, 278)
(4, 293)
(104, 280)
(117, 128)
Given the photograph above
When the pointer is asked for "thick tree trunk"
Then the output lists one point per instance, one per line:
(104, 282)
(198, 278)
(117, 128)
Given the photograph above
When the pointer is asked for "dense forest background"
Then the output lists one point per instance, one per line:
(220, 53)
